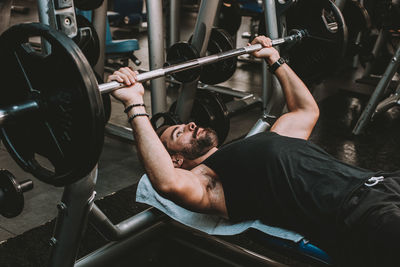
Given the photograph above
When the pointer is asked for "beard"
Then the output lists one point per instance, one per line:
(200, 146)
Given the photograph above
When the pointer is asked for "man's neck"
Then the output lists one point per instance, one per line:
(190, 164)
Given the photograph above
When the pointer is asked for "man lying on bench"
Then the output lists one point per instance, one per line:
(277, 177)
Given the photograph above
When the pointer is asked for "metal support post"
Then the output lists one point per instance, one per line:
(261, 125)
(378, 92)
(59, 15)
(340, 4)
(5, 12)
(46, 13)
(204, 23)
(46, 16)
(156, 54)
(356, 58)
(73, 211)
(273, 97)
(100, 23)
(379, 43)
(174, 19)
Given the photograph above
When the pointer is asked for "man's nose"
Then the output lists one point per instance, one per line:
(191, 126)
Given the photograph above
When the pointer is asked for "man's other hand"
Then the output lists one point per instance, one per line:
(267, 52)
(133, 92)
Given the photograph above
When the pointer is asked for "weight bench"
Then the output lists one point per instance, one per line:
(152, 223)
(210, 224)
(117, 49)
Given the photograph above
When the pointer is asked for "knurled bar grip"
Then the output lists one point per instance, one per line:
(16, 110)
(194, 63)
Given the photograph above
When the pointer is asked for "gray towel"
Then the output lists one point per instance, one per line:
(207, 223)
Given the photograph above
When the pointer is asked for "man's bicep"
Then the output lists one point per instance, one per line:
(295, 124)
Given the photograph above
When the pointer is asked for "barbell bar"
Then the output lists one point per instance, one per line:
(7, 113)
(198, 62)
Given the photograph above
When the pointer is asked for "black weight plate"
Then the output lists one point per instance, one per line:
(230, 18)
(12, 203)
(219, 120)
(317, 57)
(357, 17)
(182, 52)
(68, 130)
(218, 72)
(90, 46)
(164, 118)
(209, 111)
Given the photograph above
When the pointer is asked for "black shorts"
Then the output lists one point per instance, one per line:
(372, 225)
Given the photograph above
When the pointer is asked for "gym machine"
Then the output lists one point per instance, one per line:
(385, 94)
(330, 49)
(61, 15)
(204, 36)
(376, 105)
(76, 124)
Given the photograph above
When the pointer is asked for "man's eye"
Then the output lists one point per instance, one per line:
(178, 133)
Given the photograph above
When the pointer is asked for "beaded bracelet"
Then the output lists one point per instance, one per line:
(130, 119)
(128, 108)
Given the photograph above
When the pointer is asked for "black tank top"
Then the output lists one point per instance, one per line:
(283, 181)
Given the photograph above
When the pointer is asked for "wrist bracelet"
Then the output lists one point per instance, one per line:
(130, 119)
(128, 108)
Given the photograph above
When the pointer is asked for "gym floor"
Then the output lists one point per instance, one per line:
(339, 97)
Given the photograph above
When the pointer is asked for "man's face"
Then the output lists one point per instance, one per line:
(189, 140)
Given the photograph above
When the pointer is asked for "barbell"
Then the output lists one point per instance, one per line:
(57, 99)
(198, 62)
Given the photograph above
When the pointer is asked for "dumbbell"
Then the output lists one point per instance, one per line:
(11, 194)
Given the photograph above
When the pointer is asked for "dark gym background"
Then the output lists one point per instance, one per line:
(24, 239)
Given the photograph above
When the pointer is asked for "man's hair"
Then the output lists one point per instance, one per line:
(160, 130)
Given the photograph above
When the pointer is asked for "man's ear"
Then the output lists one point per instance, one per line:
(177, 160)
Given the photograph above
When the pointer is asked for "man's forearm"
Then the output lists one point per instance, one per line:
(297, 95)
(156, 159)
